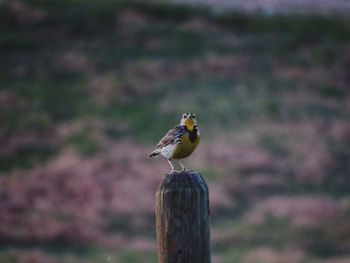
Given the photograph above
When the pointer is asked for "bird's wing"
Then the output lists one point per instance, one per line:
(172, 136)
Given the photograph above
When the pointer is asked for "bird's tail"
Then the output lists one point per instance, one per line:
(155, 153)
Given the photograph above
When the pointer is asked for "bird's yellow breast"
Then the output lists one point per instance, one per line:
(185, 148)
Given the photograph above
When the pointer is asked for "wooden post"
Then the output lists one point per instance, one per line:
(182, 216)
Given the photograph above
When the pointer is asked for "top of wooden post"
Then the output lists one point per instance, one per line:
(183, 180)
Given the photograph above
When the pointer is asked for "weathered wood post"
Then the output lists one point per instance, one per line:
(182, 216)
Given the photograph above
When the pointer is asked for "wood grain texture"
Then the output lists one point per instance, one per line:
(182, 216)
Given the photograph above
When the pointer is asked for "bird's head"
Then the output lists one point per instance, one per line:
(189, 120)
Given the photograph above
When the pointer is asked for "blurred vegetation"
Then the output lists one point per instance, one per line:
(83, 74)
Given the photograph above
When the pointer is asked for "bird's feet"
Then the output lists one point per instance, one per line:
(175, 171)
(180, 171)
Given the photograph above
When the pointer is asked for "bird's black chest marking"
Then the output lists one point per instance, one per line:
(192, 135)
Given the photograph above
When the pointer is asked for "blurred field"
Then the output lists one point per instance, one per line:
(87, 88)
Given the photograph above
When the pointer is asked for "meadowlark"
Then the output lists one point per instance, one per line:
(179, 142)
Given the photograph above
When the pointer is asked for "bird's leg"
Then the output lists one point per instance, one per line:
(171, 165)
(182, 166)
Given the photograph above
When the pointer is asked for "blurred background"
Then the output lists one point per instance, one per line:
(87, 88)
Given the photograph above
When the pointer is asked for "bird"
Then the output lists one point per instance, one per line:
(179, 142)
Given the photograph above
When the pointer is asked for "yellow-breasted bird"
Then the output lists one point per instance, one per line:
(180, 141)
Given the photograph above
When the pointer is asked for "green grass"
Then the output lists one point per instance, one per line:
(243, 237)
(299, 28)
(134, 257)
(11, 255)
(26, 157)
(275, 145)
(41, 103)
(329, 91)
(83, 143)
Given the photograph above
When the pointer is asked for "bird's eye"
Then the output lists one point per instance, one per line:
(193, 116)
(184, 116)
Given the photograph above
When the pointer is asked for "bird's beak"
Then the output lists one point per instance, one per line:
(189, 124)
